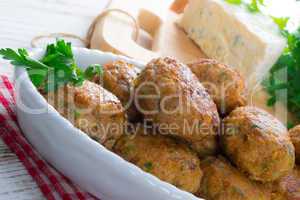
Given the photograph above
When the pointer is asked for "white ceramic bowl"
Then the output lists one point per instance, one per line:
(86, 162)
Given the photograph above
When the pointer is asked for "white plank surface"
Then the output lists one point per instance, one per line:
(20, 21)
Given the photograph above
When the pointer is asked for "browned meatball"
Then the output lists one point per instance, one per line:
(258, 144)
(288, 187)
(118, 78)
(225, 85)
(171, 97)
(92, 109)
(221, 181)
(163, 157)
(295, 138)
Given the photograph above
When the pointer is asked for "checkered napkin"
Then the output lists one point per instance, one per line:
(51, 183)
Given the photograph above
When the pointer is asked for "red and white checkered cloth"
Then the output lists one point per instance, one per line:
(51, 183)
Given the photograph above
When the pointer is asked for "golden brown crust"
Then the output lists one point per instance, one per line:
(118, 77)
(258, 144)
(180, 102)
(288, 187)
(221, 181)
(225, 85)
(163, 157)
(295, 138)
(92, 109)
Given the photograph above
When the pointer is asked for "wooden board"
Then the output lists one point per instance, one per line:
(115, 33)
(170, 40)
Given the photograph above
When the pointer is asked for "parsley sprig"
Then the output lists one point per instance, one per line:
(281, 22)
(288, 63)
(56, 68)
(253, 6)
(285, 74)
(236, 2)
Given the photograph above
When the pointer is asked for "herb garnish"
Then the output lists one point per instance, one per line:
(93, 70)
(290, 62)
(281, 22)
(236, 2)
(148, 166)
(56, 68)
(76, 114)
(252, 7)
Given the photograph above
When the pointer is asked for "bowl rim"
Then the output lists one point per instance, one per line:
(135, 183)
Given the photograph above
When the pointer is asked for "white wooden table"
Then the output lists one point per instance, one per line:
(20, 21)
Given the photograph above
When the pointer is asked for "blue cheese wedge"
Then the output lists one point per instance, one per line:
(249, 42)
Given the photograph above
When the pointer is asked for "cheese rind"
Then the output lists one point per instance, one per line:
(249, 42)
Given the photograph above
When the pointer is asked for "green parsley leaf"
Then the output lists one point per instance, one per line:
(148, 166)
(290, 125)
(36, 70)
(290, 63)
(56, 68)
(261, 2)
(76, 114)
(236, 2)
(253, 6)
(271, 101)
(92, 71)
(21, 58)
(281, 22)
